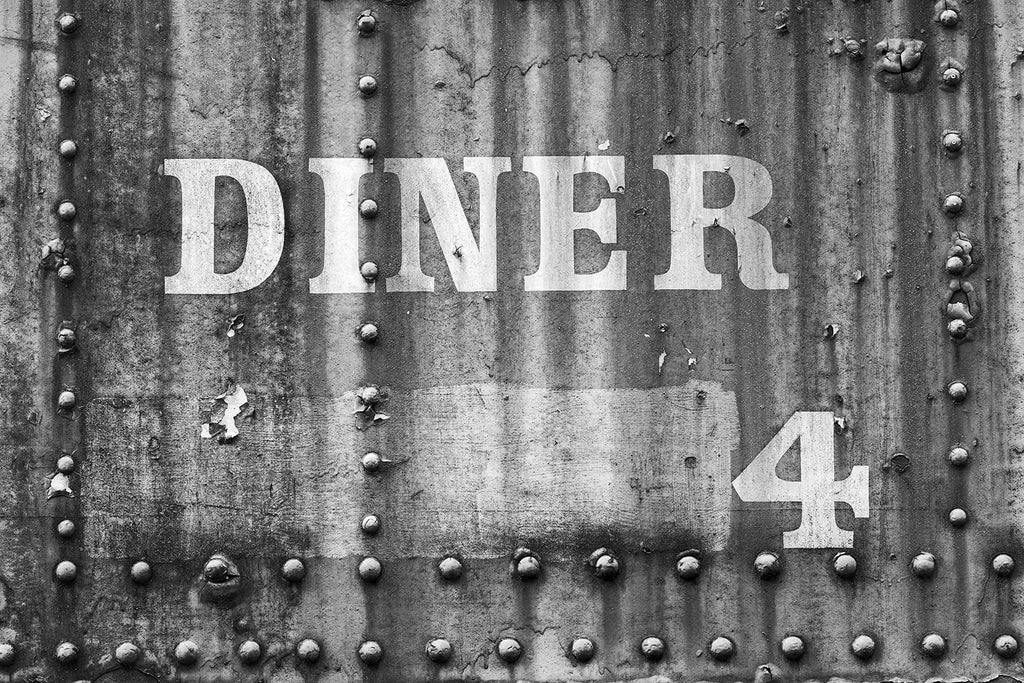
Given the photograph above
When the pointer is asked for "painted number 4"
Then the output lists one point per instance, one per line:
(817, 491)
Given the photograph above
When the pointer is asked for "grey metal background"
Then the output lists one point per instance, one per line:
(858, 170)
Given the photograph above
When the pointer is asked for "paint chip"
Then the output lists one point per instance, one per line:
(222, 417)
(604, 145)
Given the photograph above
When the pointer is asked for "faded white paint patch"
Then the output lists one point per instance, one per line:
(226, 408)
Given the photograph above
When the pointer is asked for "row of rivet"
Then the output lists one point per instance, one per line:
(440, 650)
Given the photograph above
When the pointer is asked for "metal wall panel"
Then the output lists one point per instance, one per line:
(558, 421)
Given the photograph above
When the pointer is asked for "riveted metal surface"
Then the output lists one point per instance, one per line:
(558, 421)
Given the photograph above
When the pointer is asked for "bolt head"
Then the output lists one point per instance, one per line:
(371, 462)
(141, 572)
(66, 400)
(528, 567)
(66, 274)
(652, 648)
(370, 652)
(953, 142)
(582, 649)
(127, 654)
(688, 567)
(186, 652)
(949, 18)
(767, 565)
(217, 570)
(450, 569)
(67, 84)
(367, 23)
(958, 456)
(923, 565)
(6, 654)
(65, 571)
(370, 525)
(68, 23)
(66, 653)
(368, 209)
(509, 649)
(958, 517)
(370, 569)
(250, 652)
(606, 567)
(953, 204)
(369, 271)
(933, 645)
(793, 647)
(66, 338)
(721, 648)
(951, 77)
(845, 565)
(439, 650)
(367, 85)
(66, 528)
(368, 147)
(1002, 564)
(368, 332)
(957, 390)
(308, 650)
(957, 329)
(293, 570)
(66, 210)
(68, 149)
(863, 647)
(1005, 646)
(65, 464)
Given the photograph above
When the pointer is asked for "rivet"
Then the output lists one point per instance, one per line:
(957, 328)
(127, 654)
(293, 570)
(952, 142)
(367, 147)
(217, 569)
(509, 649)
(66, 653)
(66, 274)
(68, 23)
(67, 84)
(66, 528)
(186, 652)
(955, 265)
(1002, 564)
(582, 649)
(308, 650)
(371, 462)
(526, 564)
(65, 571)
(951, 77)
(933, 645)
(958, 456)
(368, 209)
(844, 564)
(369, 269)
(767, 565)
(652, 648)
(863, 647)
(923, 565)
(604, 564)
(370, 569)
(953, 204)
(66, 210)
(721, 648)
(370, 652)
(65, 464)
(957, 517)
(450, 569)
(793, 647)
(141, 572)
(439, 650)
(6, 654)
(688, 565)
(68, 149)
(366, 23)
(367, 85)
(368, 332)
(949, 18)
(957, 390)
(66, 339)
(1005, 646)
(370, 525)
(66, 400)
(250, 652)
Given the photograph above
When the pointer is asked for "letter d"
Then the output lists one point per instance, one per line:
(265, 211)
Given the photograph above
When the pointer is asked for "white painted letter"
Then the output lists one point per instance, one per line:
(341, 226)
(474, 267)
(558, 223)
(818, 491)
(689, 217)
(265, 211)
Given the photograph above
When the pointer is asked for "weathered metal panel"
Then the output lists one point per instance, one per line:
(617, 416)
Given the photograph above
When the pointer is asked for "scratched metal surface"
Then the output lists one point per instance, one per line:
(541, 419)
